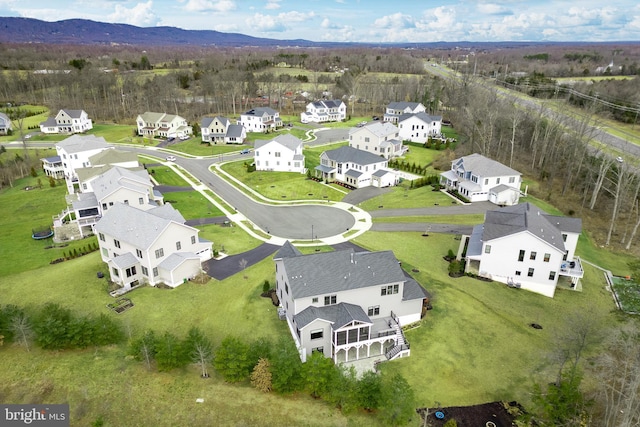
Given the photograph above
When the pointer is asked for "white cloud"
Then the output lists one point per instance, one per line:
(277, 23)
(273, 4)
(493, 9)
(210, 6)
(141, 14)
(395, 21)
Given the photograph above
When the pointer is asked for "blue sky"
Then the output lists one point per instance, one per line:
(362, 20)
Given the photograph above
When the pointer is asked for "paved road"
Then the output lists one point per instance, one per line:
(226, 267)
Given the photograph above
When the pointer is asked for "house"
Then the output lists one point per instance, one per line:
(152, 246)
(526, 248)
(67, 121)
(163, 125)
(281, 154)
(220, 130)
(52, 167)
(5, 124)
(395, 109)
(355, 168)
(381, 139)
(419, 127)
(347, 305)
(260, 119)
(74, 152)
(479, 178)
(324, 111)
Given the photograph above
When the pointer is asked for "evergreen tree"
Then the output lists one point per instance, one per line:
(169, 353)
(397, 403)
(144, 348)
(318, 374)
(286, 367)
(232, 360)
(261, 376)
(369, 391)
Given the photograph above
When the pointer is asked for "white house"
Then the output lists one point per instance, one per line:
(260, 119)
(419, 127)
(163, 125)
(5, 124)
(347, 305)
(479, 178)
(153, 246)
(526, 248)
(74, 152)
(67, 121)
(324, 111)
(282, 154)
(220, 130)
(355, 168)
(381, 139)
(395, 109)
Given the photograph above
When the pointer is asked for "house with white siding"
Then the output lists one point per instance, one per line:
(163, 125)
(152, 246)
(478, 178)
(524, 247)
(419, 127)
(396, 109)
(381, 139)
(355, 168)
(5, 124)
(282, 154)
(347, 305)
(260, 119)
(74, 153)
(220, 130)
(67, 121)
(324, 111)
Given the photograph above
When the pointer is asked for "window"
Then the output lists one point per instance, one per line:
(155, 271)
(366, 139)
(139, 253)
(547, 257)
(521, 256)
(533, 255)
(317, 350)
(145, 271)
(141, 201)
(105, 252)
(193, 240)
(277, 154)
(126, 202)
(341, 338)
(552, 275)
(373, 310)
(115, 272)
(518, 272)
(352, 335)
(330, 299)
(116, 243)
(497, 180)
(286, 288)
(317, 334)
(364, 333)
(178, 246)
(487, 249)
(486, 181)
(314, 300)
(131, 271)
(389, 290)
(564, 237)
(530, 272)
(101, 236)
(84, 186)
(512, 179)
(159, 253)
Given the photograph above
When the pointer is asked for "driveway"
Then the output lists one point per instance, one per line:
(228, 266)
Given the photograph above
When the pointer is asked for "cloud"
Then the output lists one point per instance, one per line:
(395, 21)
(277, 23)
(273, 4)
(141, 14)
(493, 9)
(210, 6)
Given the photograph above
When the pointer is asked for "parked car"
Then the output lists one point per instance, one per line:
(171, 158)
(245, 151)
(171, 139)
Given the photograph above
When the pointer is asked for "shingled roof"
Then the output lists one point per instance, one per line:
(349, 154)
(482, 166)
(338, 315)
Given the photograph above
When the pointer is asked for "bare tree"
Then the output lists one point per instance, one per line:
(21, 327)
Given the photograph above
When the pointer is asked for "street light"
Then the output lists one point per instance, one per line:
(311, 233)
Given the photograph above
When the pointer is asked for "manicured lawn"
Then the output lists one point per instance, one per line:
(194, 146)
(282, 185)
(402, 197)
(467, 219)
(230, 240)
(29, 124)
(166, 176)
(113, 133)
(192, 204)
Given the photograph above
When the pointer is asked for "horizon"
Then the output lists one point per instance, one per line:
(354, 21)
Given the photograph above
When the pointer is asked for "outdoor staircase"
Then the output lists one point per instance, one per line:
(402, 347)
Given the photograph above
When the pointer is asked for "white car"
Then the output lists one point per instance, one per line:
(171, 158)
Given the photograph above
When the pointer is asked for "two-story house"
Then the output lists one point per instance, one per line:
(419, 127)
(526, 248)
(324, 111)
(74, 152)
(396, 109)
(260, 119)
(479, 178)
(347, 305)
(282, 154)
(67, 121)
(163, 125)
(356, 168)
(381, 139)
(220, 130)
(149, 246)
(5, 124)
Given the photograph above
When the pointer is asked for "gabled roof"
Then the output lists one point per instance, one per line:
(151, 117)
(117, 177)
(334, 103)
(50, 122)
(74, 114)
(401, 105)
(525, 217)
(422, 116)
(206, 121)
(286, 251)
(176, 259)
(482, 166)
(338, 315)
(349, 154)
(135, 226)
(81, 143)
(84, 201)
(108, 157)
(286, 140)
(234, 131)
(378, 128)
(331, 272)
(125, 260)
(260, 111)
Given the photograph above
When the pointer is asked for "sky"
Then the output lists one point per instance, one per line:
(371, 21)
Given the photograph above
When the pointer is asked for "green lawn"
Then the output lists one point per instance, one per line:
(192, 204)
(628, 293)
(166, 176)
(113, 132)
(196, 147)
(231, 240)
(423, 197)
(466, 219)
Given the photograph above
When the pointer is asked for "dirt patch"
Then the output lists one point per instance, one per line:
(501, 414)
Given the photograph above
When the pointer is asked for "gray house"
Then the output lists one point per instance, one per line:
(347, 305)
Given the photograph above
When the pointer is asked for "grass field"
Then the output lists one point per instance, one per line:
(192, 204)
(628, 294)
(408, 198)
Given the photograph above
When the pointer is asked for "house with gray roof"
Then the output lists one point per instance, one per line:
(395, 109)
(75, 152)
(260, 119)
(153, 246)
(163, 125)
(67, 121)
(347, 305)
(355, 168)
(324, 111)
(526, 248)
(379, 138)
(5, 124)
(479, 178)
(282, 154)
(220, 130)
(419, 127)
